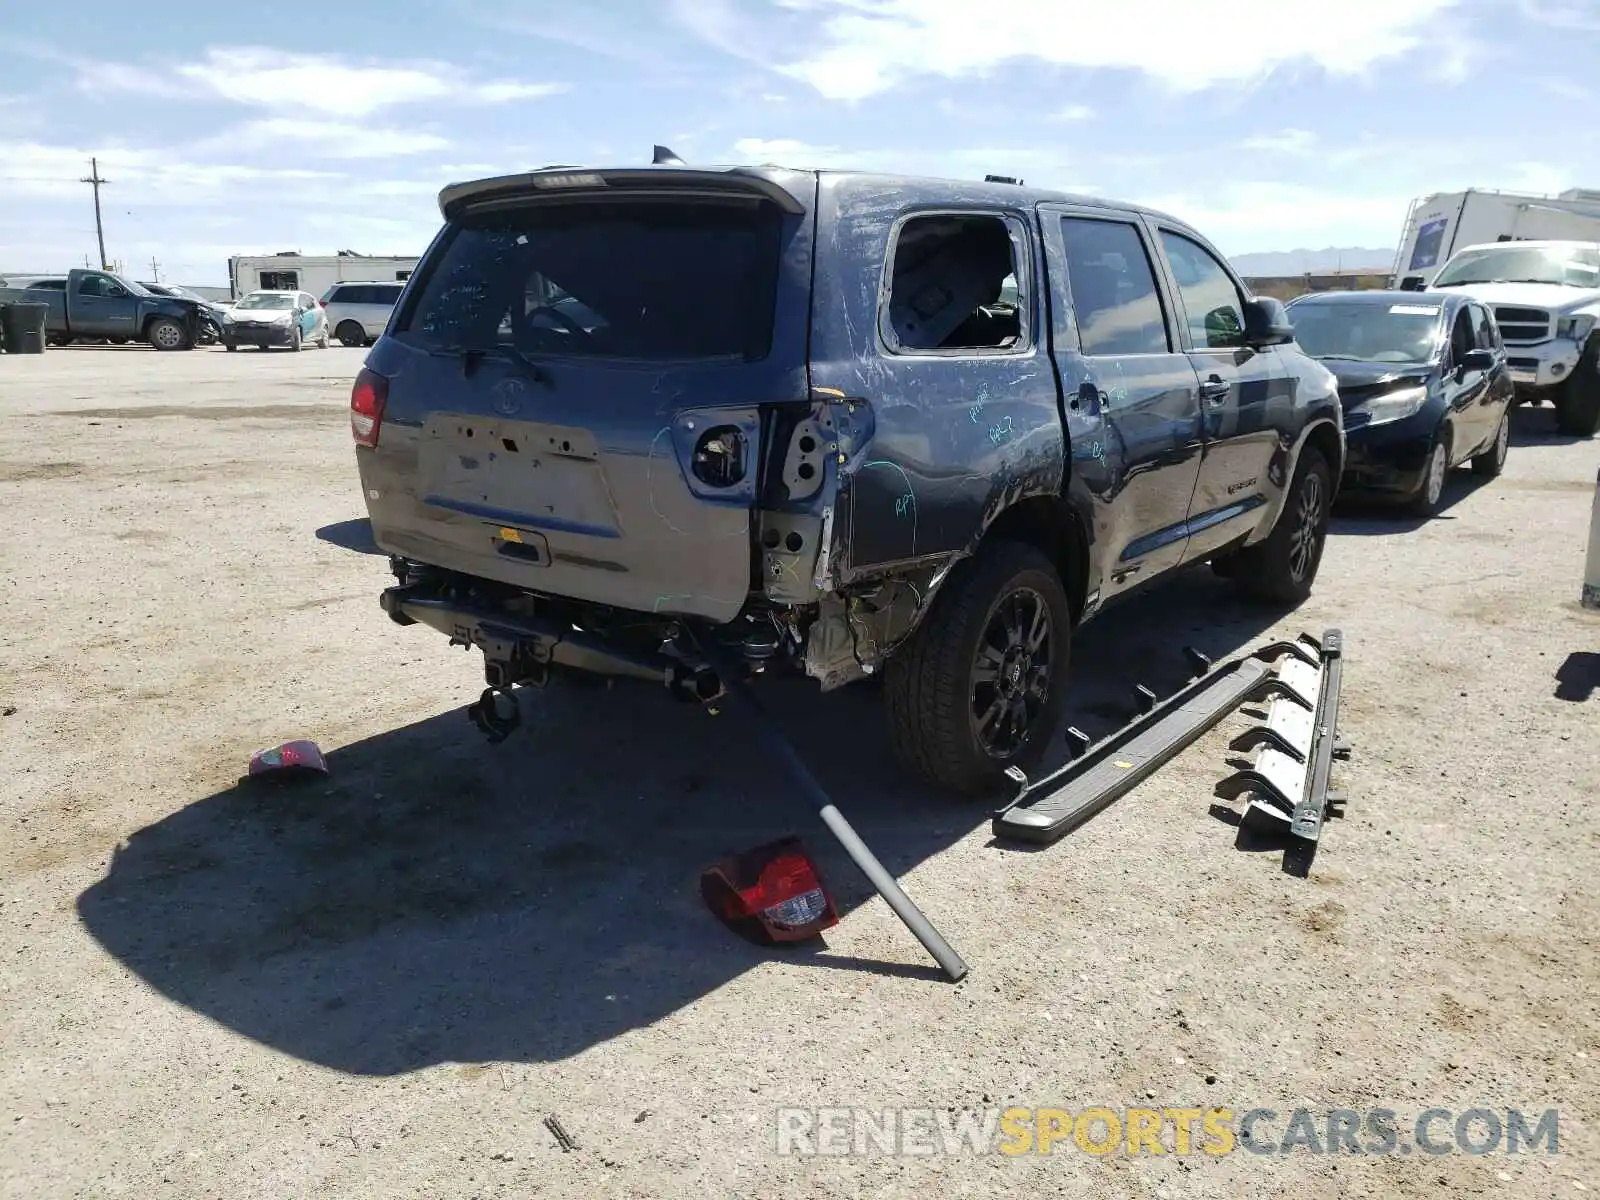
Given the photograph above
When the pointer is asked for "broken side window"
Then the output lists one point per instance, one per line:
(954, 285)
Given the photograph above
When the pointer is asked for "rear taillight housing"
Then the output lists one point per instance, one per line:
(367, 398)
(772, 894)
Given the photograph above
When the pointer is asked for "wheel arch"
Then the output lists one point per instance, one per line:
(1052, 525)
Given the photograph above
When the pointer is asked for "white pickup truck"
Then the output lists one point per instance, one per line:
(1546, 300)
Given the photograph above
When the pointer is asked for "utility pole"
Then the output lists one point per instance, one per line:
(99, 230)
(155, 270)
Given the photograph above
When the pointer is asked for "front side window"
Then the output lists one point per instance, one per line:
(652, 280)
(1461, 336)
(1487, 336)
(1212, 304)
(948, 289)
(1115, 300)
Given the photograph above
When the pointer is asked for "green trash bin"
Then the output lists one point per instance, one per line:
(22, 328)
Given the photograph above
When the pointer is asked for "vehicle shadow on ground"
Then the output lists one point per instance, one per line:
(1537, 427)
(436, 899)
(1365, 516)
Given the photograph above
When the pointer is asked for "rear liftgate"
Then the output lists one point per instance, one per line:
(1288, 782)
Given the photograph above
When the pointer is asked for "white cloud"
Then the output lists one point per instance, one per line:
(1581, 15)
(1288, 141)
(323, 83)
(1073, 112)
(1251, 216)
(786, 150)
(336, 139)
(1565, 89)
(870, 46)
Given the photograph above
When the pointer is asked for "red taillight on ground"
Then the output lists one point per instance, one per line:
(367, 399)
(770, 894)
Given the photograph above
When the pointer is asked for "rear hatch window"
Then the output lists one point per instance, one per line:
(643, 280)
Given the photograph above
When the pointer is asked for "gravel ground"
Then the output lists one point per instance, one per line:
(381, 984)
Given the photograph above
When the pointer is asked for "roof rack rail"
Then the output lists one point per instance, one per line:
(1002, 179)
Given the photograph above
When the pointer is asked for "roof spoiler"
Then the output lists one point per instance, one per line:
(457, 197)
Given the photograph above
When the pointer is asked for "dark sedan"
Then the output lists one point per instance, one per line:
(1423, 382)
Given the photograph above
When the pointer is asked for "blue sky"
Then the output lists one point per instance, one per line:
(235, 128)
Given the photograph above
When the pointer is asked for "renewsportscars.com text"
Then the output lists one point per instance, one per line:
(1099, 1130)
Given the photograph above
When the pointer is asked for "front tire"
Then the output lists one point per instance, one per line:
(296, 339)
(1430, 493)
(1492, 461)
(1282, 568)
(230, 347)
(165, 334)
(1578, 402)
(978, 687)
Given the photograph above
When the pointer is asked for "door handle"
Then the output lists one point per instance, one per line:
(1214, 390)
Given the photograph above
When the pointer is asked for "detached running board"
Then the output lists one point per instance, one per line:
(1102, 773)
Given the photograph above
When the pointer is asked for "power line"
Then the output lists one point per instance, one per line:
(94, 179)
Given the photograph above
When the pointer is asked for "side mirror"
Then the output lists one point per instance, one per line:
(115, 292)
(1266, 322)
(1478, 360)
(1411, 283)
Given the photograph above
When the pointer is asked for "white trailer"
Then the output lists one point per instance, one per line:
(1438, 225)
(312, 273)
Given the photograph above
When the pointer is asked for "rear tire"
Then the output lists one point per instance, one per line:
(978, 687)
(350, 333)
(1282, 568)
(1578, 402)
(1493, 460)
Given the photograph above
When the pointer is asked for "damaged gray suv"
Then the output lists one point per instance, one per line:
(665, 423)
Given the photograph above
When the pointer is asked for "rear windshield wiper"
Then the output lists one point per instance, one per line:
(472, 356)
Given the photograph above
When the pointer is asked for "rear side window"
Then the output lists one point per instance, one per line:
(654, 280)
(1211, 300)
(1114, 296)
(954, 286)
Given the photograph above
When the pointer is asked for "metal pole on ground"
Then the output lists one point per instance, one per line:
(954, 967)
(1591, 566)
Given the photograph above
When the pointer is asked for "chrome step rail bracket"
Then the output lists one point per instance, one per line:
(1287, 784)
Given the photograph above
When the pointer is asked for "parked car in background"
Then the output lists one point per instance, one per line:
(97, 304)
(797, 417)
(1424, 385)
(358, 312)
(1546, 300)
(287, 319)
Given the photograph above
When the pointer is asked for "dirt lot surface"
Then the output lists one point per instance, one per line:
(381, 984)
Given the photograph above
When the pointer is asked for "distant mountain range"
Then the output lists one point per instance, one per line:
(1299, 262)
